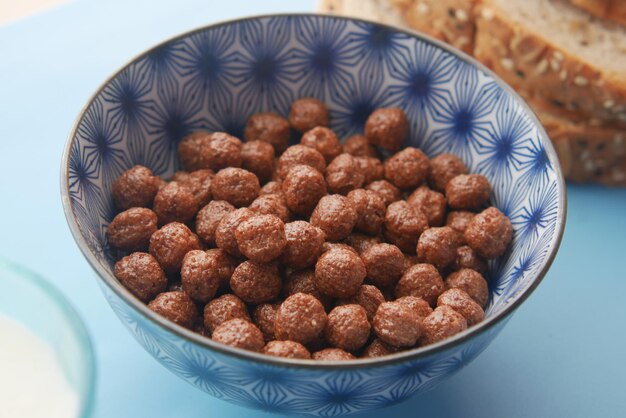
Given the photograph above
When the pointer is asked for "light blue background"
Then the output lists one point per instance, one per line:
(563, 354)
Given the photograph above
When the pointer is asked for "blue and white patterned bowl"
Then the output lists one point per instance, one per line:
(213, 79)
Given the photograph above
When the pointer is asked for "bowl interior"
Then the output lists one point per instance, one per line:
(215, 78)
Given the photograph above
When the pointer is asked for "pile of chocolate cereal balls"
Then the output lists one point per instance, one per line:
(319, 250)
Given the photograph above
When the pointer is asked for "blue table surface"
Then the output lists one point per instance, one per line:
(561, 355)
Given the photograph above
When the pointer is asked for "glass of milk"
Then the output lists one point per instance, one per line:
(47, 366)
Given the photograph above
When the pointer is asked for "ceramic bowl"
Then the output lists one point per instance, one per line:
(214, 78)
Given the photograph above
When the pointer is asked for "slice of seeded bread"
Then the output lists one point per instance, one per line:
(556, 53)
(605, 9)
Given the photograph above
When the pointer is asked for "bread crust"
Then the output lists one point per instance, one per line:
(605, 9)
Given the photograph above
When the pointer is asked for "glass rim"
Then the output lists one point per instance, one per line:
(77, 325)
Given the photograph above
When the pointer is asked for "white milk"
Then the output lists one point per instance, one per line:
(32, 384)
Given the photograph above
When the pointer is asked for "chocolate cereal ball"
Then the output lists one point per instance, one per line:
(361, 242)
(459, 219)
(303, 281)
(348, 327)
(359, 146)
(135, 188)
(472, 282)
(384, 264)
(271, 204)
(236, 186)
(368, 297)
(344, 174)
(160, 183)
(386, 190)
(396, 324)
(303, 246)
(199, 184)
(268, 127)
(199, 284)
(272, 187)
(323, 140)
(239, 333)
(264, 316)
(209, 217)
(403, 225)
(261, 238)
(203, 272)
(175, 203)
(131, 230)
(141, 274)
(387, 128)
(409, 261)
(423, 281)
(177, 307)
(307, 113)
(300, 318)
(180, 176)
(191, 151)
(256, 283)
(407, 169)
(437, 246)
(432, 203)
(225, 232)
(443, 323)
(444, 168)
(370, 209)
(332, 354)
(489, 233)
(461, 302)
(222, 151)
(468, 191)
(372, 168)
(339, 273)
(299, 155)
(171, 243)
(287, 349)
(303, 187)
(222, 309)
(378, 349)
(258, 158)
(466, 258)
(328, 246)
(418, 305)
(335, 215)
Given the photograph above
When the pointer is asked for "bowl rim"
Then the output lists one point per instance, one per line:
(403, 356)
(86, 395)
